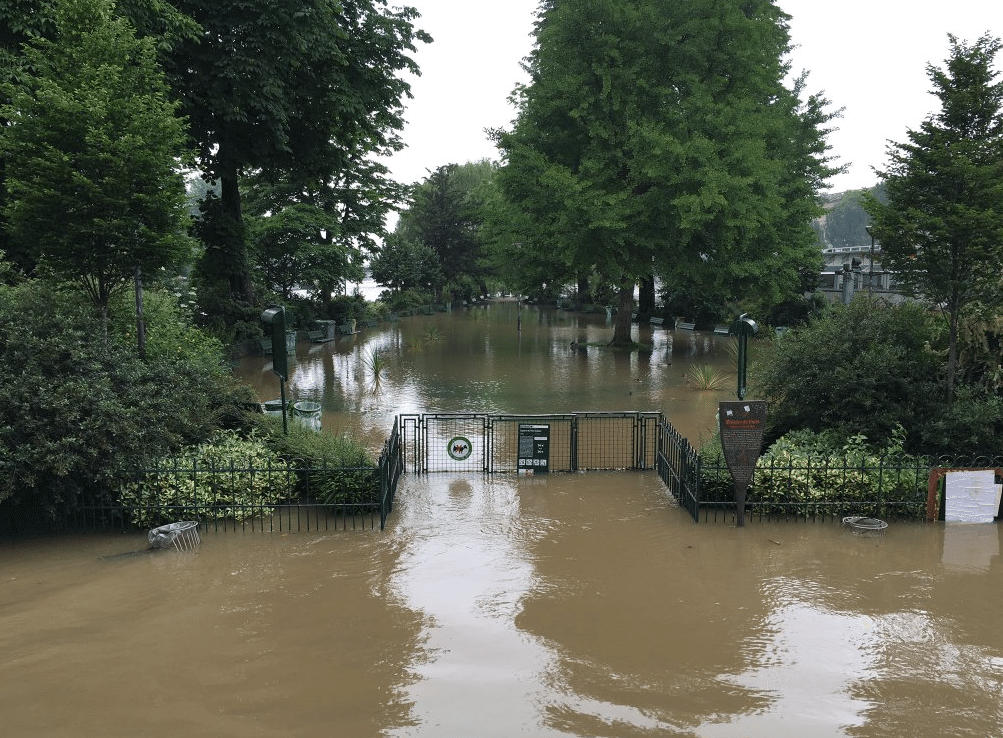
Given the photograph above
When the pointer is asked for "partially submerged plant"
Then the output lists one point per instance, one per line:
(377, 365)
(706, 377)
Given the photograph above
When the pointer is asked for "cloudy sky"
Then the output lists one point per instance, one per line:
(869, 56)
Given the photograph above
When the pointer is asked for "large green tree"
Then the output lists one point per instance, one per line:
(446, 214)
(941, 230)
(21, 21)
(93, 137)
(659, 136)
(304, 89)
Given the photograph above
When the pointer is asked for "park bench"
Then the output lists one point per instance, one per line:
(657, 322)
(685, 326)
(318, 336)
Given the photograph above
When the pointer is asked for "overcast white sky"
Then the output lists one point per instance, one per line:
(869, 56)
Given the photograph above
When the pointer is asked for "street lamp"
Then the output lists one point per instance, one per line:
(870, 277)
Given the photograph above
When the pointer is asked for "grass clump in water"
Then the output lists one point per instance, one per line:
(706, 377)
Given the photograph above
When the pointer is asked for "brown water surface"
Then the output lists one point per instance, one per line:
(476, 360)
(568, 604)
(555, 605)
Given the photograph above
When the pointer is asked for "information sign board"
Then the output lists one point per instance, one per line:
(534, 449)
(742, 425)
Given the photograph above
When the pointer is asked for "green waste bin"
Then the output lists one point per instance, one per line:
(307, 413)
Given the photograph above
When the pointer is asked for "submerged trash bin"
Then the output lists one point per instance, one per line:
(865, 526)
(307, 413)
(183, 536)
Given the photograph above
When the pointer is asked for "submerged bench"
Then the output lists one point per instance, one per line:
(685, 326)
(657, 322)
(721, 330)
(318, 337)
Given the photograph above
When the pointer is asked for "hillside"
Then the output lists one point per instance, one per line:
(845, 219)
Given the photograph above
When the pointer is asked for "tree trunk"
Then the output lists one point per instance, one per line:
(584, 294)
(624, 308)
(646, 295)
(952, 356)
(235, 249)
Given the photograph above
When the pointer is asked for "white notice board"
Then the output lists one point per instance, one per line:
(971, 497)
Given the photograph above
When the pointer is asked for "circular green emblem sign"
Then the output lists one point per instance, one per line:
(459, 448)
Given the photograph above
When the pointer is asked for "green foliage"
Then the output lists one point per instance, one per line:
(227, 478)
(972, 426)
(78, 410)
(661, 137)
(307, 92)
(811, 474)
(853, 480)
(863, 368)
(376, 362)
(335, 470)
(706, 377)
(404, 264)
(93, 135)
(445, 217)
(941, 230)
(406, 300)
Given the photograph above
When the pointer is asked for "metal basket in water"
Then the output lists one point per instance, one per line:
(183, 536)
(865, 525)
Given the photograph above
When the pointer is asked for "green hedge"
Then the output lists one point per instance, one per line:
(334, 470)
(802, 475)
(229, 478)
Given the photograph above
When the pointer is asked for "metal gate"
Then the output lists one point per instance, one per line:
(491, 443)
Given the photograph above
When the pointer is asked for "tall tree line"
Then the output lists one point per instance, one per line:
(659, 137)
(297, 99)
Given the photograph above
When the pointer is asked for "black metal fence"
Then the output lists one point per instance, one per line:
(491, 443)
(810, 487)
(291, 497)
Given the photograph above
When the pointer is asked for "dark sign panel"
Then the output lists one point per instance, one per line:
(742, 425)
(534, 449)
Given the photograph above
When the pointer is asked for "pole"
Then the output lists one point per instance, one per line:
(282, 399)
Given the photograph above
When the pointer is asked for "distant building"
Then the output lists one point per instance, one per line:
(847, 270)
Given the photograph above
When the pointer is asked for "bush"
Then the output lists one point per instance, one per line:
(809, 474)
(229, 478)
(78, 410)
(863, 368)
(804, 476)
(334, 470)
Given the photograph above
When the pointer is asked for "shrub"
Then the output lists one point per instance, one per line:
(815, 474)
(333, 469)
(229, 478)
(808, 479)
(79, 408)
(863, 368)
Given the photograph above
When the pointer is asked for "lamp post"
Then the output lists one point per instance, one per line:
(870, 276)
(518, 299)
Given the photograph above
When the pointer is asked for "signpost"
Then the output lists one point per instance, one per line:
(534, 449)
(742, 425)
(275, 317)
(742, 329)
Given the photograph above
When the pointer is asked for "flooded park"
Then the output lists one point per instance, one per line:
(584, 604)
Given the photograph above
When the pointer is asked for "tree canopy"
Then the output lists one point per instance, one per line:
(305, 90)
(92, 136)
(660, 137)
(941, 230)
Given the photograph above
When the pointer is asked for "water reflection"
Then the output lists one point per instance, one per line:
(556, 605)
(478, 361)
(568, 604)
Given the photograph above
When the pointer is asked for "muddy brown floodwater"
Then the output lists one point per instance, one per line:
(556, 605)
